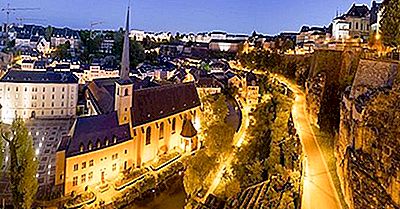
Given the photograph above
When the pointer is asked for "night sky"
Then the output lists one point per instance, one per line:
(235, 16)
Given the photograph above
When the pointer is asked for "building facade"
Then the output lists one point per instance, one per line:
(29, 94)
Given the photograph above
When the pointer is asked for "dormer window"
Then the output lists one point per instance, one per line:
(98, 144)
(90, 145)
(114, 139)
(107, 142)
(81, 148)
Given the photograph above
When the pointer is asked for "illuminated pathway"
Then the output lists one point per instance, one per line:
(318, 189)
(237, 142)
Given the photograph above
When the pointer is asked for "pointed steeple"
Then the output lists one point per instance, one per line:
(124, 72)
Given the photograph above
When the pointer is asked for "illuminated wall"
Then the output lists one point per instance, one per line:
(38, 100)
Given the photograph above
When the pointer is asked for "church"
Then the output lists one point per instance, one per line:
(132, 122)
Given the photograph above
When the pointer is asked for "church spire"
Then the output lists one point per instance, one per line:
(124, 72)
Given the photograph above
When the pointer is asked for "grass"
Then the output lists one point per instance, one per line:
(326, 142)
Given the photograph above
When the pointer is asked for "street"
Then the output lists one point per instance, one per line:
(318, 189)
(237, 142)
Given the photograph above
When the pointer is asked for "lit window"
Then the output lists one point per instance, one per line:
(83, 165)
(161, 134)
(75, 167)
(148, 135)
(83, 178)
(91, 163)
(114, 167)
(75, 181)
(173, 125)
(80, 146)
(98, 144)
(90, 146)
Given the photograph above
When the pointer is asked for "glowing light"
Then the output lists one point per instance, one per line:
(37, 151)
(377, 36)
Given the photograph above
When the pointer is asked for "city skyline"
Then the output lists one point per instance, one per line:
(184, 16)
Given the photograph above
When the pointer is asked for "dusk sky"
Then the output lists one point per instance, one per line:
(234, 16)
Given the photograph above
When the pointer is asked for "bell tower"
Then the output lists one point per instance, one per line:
(124, 85)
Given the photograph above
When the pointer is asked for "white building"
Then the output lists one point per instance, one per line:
(137, 35)
(30, 94)
(95, 72)
(340, 29)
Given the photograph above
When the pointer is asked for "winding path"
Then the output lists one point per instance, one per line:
(318, 189)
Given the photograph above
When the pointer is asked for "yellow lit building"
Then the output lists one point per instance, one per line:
(132, 123)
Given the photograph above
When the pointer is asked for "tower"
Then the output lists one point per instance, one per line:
(124, 85)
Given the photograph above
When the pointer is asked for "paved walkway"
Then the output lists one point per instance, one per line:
(318, 190)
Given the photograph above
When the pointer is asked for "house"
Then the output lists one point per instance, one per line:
(208, 86)
(27, 65)
(62, 35)
(33, 94)
(43, 46)
(224, 45)
(133, 122)
(358, 23)
(376, 17)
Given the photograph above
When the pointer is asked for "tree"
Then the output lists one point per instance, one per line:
(391, 23)
(136, 50)
(23, 165)
(197, 170)
(48, 32)
(62, 51)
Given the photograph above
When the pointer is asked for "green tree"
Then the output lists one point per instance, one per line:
(136, 50)
(62, 51)
(197, 170)
(48, 32)
(23, 165)
(391, 23)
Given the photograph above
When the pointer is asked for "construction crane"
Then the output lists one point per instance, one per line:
(92, 24)
(9, 9)
(21, 19)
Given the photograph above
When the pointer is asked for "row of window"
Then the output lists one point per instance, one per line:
(83, 179)
(76, 166)
(361, 28)
(35, 89)
(161, 130)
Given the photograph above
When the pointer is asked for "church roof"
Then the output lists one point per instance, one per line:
(150, 101)
(188, 130)
(99, 129)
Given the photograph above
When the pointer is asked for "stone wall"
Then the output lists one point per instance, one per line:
(368, 161)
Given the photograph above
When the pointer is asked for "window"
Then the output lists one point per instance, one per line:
(62, 96)
(148, 135)
(126, 151)
(98, 144)
(16, 88)
(173, 125)
(62, 104)
(63, 89)
(43, 97)
(83, 165)
(114, 167)
(90, 176)
(75, 167)
(54, 89)
(115, 156)
(90, 145)
(26, 89)
(52, 112)
(91, 163)
(83, 178)
(80, 146)
(126, 92)
(161, 134)
(107, 142)
(356, 25)
(44, 89)
(75, 181)
(52, 96)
